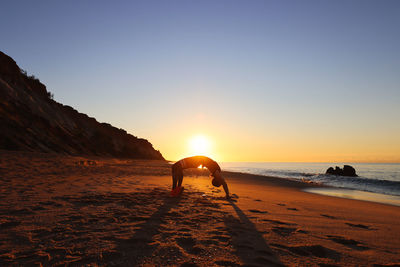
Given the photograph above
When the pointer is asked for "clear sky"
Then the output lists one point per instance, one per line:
(259, 80)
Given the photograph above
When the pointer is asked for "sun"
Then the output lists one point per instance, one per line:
(199, 145)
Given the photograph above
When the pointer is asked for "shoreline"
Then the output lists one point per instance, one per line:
(102, 211)
(327, 190)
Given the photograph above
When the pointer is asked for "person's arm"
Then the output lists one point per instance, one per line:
(218, 175)
(225, 188)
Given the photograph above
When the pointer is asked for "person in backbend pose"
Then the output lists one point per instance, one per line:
(194, 162)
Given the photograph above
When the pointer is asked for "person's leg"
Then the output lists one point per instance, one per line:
(180, 178)
(177, 176)
(174, 177)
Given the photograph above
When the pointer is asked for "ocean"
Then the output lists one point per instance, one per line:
(378, 182)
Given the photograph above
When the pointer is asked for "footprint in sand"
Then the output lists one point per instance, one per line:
(190, 223)
(258, 211)
(173, 214)
(76, 218)
(189, 264)
(226, 263)
(137, 218)
(196, 250)
(283, 231)
(295, 209)
(362, 226)
(20, 212)
(166, 235)
(222, 238)
(215, 232)
(185, 242)
(184, 230)
(36, 208)
(189, 245)
(278, 222)
(21, 239)
(42, 233)
(9, 224)
(281, 204)
(186, 234)
(328, 216)
(302, 231)
(109, 256)
(351, 243)
(210, 242)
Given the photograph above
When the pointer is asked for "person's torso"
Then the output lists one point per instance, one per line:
(196, 161)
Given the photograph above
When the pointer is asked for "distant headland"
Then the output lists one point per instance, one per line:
(32, 121)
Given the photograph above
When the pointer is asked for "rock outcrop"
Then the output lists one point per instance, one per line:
(346, 171)
(31, 120)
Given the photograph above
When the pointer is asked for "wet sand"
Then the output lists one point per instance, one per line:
(63, 210)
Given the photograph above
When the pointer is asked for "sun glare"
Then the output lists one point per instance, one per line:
(199, 145)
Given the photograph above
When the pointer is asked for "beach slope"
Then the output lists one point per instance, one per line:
(104, 211)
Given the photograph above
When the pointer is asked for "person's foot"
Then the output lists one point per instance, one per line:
(173, 192)
(177, 191)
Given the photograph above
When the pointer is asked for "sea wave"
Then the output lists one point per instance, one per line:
(375, 185)
(359, 183)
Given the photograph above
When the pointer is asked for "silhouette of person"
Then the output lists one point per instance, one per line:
(194, 162)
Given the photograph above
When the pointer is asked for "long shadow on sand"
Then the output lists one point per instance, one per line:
(248, 242)
(141, 244)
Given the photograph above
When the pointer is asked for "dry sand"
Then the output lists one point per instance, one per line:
(63, 210)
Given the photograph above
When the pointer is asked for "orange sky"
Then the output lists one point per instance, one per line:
(231, 142)
(280, 150)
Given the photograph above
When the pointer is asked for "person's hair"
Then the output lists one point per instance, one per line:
(216, 182)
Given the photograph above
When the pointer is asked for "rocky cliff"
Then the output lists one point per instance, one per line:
(31, 120)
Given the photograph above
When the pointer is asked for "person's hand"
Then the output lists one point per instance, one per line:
(232, 198)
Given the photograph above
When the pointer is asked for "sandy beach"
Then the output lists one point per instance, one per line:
(62, 210)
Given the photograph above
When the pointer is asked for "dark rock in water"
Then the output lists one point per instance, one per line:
(349, 171)
(330, 170)
(30, 120)
(338, 170)
(346, 171)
